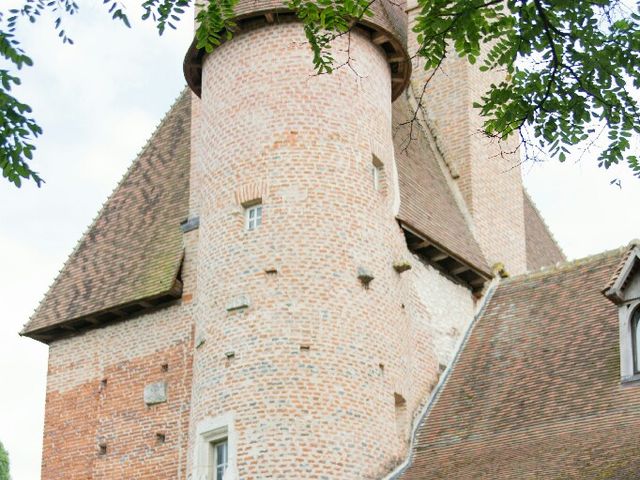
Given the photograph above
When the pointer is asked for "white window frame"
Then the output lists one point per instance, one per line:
(626, 313)
(377, 173)
(251, 223)
(209, 432)
(635, 339)
(212, 462)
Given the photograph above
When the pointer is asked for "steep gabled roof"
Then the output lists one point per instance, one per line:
(627, 267)
(542, 249)
(130, 257)
(427, 204)
(133, 250)
(536, 391)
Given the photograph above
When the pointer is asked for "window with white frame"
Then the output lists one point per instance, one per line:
(216, 446)
(635, 339)
(253, 216)
(377, 173)
(218, 459)
(625, 293)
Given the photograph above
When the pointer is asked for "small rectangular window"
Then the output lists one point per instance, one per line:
(253, 217)
(218, 459)
(377, 173)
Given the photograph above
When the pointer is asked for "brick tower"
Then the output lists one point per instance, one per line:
(276, 285)
(298, 310)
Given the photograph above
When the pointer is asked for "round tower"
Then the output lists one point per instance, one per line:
(300, 331)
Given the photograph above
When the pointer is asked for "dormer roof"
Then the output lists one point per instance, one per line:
(617, 289)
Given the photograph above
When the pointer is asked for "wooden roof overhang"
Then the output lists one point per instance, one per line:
(625, 272)
(396, 54)
(454, 267)
(107, 316)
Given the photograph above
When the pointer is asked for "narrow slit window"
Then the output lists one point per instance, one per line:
(253, 217)
(377, 173)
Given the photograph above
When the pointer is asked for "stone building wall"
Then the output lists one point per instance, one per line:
(487, 172)
(320, 374)
(95, 395)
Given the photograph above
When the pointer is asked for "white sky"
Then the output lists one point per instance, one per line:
(98, 102)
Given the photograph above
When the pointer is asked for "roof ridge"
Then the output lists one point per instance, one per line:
(92, 223)
(572, 264)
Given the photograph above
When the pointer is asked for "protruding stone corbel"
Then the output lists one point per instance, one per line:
(155, 393)
(500, 270)
(238, 303)
(365, 276)
(401, 266)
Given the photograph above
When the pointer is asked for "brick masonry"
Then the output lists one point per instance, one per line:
(321, 374)
(308, 143)
(95, 397)
(488, 172)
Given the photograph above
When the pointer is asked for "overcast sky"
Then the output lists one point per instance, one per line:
(98, 102)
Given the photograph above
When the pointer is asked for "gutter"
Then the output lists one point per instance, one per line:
(400, 469)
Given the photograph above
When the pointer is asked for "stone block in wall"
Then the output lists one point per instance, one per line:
(155, 393)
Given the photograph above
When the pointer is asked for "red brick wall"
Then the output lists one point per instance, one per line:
(83, 413)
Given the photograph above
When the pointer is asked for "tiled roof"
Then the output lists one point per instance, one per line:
(623, 271)
(536, 391)
(542, 249)
(133, 250)
(427, 203)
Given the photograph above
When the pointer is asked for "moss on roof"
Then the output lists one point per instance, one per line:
(133, 249)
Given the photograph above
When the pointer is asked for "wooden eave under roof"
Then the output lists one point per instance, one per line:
(627, 268)
(107, 316)
(432, 220)
(456, 268)
(384, 30)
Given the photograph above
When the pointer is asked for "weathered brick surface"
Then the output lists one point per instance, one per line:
(489, 175)
(95, 396)
(307, 142)
(536, 392)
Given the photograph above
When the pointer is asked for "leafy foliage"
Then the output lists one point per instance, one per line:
(214, 23)
(324, 21)
(18, 129)
(4, 464)
(570, 68)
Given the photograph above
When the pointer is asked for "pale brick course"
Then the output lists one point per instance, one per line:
(321, 374)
